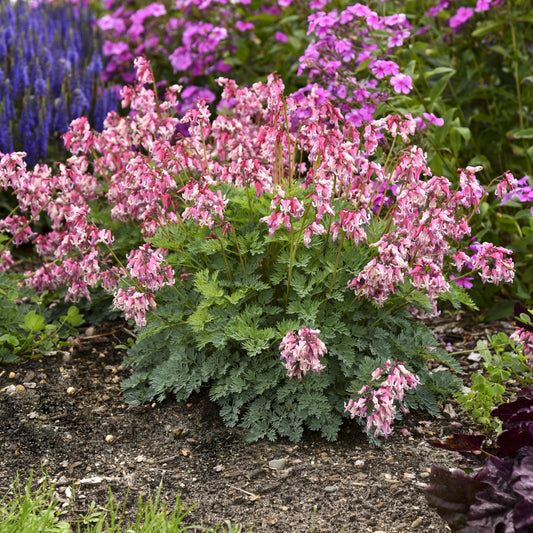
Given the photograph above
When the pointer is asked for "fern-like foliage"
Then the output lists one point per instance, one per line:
(223, 327)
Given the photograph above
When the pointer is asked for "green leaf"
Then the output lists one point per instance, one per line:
(199, 319)
(439, 70)
(33, 322)
(207, 285)
(439, 87)
(73, 316)
(489, 26)
(526, 133)
(7, 338)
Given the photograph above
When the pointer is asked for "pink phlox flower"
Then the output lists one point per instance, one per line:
(461, 16)
(244, 26)
(317, 4)
(483, 5)
(109, 22)
(302, 352)
(398, 37)
(115, 48)
(381, 68)
(134, 304)
(321, 21)
(401, 83)
(465, 282)
(432, 119)
(281, 37)
(435, 10)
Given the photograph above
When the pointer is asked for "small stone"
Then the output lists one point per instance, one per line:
(475, 357)
(12, 375)
(424, 475)
(417, 522)
(331, 488)
(71, 391)
(16, 391)
(109, 438)
(277, 464)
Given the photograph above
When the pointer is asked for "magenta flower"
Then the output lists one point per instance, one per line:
(460, 17)
(281, 37)
(432, 119)
(465, 282)
(301, 352)
(483, 5)
(244, 26)
(402, 83)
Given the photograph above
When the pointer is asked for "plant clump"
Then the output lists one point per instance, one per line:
(276, 217)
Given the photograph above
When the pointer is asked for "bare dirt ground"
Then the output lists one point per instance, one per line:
(67, 417)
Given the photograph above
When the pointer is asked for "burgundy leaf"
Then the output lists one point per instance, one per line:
(511, 440)
(451, 493)
(523, 398)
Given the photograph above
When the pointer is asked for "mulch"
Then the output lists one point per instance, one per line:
(67, 417)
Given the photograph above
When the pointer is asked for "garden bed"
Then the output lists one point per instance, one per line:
(72, 422)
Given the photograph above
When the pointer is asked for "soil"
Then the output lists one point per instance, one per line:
(67, 417)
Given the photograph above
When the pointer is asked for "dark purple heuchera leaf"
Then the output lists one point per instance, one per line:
(523, 398)
(506, 503)
(511, 440)
(498, 497)
(517, 423)
(451, 494)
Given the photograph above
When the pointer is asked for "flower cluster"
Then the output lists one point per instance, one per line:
(343, 187)
(50, 66)
(302, 352)
(378, 405)
(347, 41)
